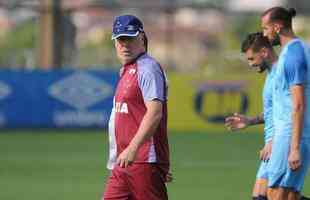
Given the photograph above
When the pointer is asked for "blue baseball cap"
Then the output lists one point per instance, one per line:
(126, 25)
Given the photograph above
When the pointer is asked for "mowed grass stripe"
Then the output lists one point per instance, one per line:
(71, 165)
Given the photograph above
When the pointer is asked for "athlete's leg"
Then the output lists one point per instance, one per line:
(147, 182)
(292, 195)
(260, 187)
(278, 193)
(117, 187)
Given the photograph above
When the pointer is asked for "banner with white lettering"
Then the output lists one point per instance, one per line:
(56, 99)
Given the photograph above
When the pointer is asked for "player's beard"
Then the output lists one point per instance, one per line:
(276, 40)
(263, 66)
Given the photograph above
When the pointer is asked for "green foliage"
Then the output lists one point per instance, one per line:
(99, 53)
(14, 43)
(242, 25)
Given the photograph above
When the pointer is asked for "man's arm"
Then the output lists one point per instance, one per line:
(298, 100)
(238, 121)
(147, 128)
(259, 119)
(295, 69)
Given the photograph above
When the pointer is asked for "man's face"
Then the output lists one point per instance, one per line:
(257, 60)
(270, 30)
(129, 48)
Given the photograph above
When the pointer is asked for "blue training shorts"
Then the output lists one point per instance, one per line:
(279, 172)
(262, 172)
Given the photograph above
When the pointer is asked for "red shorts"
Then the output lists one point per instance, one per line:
(136, 182)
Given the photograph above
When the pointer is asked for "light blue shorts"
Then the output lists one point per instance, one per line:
(262, 172)
(279, 172)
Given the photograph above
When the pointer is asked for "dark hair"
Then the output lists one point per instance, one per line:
(255, 41)
(146, 42)
(282, 15)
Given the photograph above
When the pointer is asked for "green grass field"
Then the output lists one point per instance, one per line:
(70, 165)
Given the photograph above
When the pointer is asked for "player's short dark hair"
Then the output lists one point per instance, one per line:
(255, 41)
(146, 42)
(281, 15)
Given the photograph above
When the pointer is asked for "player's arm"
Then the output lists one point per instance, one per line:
(146, 130)
(295, 73)
(149, 123)
(238, 121)
(265, 152)
(298, 110)
(259, 119)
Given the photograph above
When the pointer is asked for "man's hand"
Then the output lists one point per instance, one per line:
(169, 177)
(294, 160)
(127, 157)
(236, 122)
(265, 153)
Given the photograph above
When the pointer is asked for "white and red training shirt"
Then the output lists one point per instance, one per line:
(140, 81)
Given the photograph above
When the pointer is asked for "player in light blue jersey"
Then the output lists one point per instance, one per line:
(289, 161)
(262, 57)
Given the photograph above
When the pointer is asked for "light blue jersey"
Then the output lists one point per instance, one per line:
(293, 68)
(267, 104)
(262, 172)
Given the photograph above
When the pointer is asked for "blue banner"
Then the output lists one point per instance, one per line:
(56, 99)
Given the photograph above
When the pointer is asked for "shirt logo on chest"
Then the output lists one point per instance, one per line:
(121, 107)
(132, 71)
